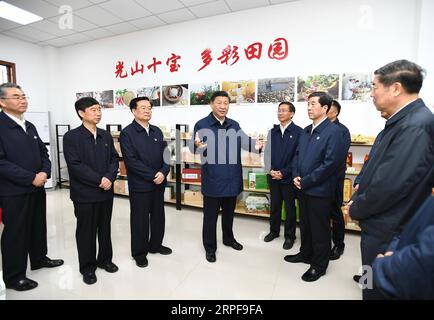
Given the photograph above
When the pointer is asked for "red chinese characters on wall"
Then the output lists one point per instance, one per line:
(277, 50)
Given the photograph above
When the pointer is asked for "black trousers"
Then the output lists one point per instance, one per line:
(211, 209)
(93, 219)
(147, 217)
(282, 192)
(338, 222)
(370, 247)
(315, 230)
(24, 233)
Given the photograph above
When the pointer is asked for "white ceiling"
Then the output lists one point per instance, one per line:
(97, 19)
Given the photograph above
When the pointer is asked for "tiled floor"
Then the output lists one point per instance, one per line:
(257, 272)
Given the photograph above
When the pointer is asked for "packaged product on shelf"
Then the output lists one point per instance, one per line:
(349, 159)
(120, 187)
(191, 175)
(168, 193)
(348, 189)
(257, 203)
(257, 180)
(118, 148)
(193, 197)
(366, 158)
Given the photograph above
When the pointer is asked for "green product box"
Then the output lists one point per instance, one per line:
(257, 180)
(297, 211)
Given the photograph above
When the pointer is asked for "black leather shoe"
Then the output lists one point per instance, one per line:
(89, 278)
(235, 245)
(288, 244)
(312, 274)
(23, 285)
(270, 237)
(295, 258)
(210, 257)
(109, 267)
(163, 250)
(142, 263)
(356, 278)
(48, 263)
(336, 252)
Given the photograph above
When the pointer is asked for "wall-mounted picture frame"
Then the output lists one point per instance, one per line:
(275, 90)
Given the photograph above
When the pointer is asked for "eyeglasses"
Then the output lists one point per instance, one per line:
(16, 98)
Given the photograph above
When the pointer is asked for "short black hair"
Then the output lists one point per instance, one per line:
(324, 99)
(289, 104)
(133, 103)
(220, 94)
(407, 73)
(336, 104)
(7, 85)
(84, 103)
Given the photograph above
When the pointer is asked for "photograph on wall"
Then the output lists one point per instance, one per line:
(240, 91)
(356, 86)
(175, 95)
(274, 90)
(200, 94)
(80, 95)
(123, 98)
(326, 82)
(105, 98)
(153, 93)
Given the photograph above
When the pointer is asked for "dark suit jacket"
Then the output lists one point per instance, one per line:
(88, 161)
(222, 174)
(144, 156)
(22, 156)
(397, 177)
(317, 159)
(409, 272)
(279, 151)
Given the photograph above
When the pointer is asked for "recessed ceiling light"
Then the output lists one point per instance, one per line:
(18, 15)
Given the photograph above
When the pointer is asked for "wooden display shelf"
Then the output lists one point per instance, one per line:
(352, 227)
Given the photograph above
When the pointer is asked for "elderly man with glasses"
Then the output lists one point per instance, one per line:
(24, 170)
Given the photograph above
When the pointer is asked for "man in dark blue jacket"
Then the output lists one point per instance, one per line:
(147, 162)
(282, 142)
(219, 140)
(24, 170)
(314, 171)
(338, 229)
(406, 270)
(397, 177)
(93, 166)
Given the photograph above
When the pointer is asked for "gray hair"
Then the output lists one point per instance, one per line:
(7, 85)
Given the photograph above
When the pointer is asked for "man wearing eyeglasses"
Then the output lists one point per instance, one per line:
(282, 142)
(24, 170)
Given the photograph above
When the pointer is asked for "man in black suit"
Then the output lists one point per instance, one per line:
(24, 170)
(147, 162)
(396, 179)
(282, 142)
(314, 168)
(338, 229)
(93, 166)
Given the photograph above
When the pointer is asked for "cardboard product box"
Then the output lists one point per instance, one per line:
(348, 189)
(258, 203)
(257, 180)
(191, 196)
(168, 192)
(122, 168)
(120, 187)
(191, 175)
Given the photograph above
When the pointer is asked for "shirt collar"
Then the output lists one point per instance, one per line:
(87, 132)
(401, 109)
(285, 127)
(318, 124)
(139, 127)
(19, 121)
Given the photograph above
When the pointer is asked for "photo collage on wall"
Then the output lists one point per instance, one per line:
(354, 87)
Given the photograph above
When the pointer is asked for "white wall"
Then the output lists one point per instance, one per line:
(331, 36)
(31, 69)
(325, 37)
